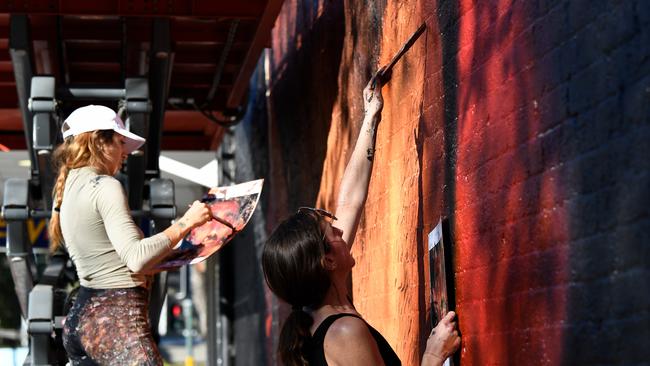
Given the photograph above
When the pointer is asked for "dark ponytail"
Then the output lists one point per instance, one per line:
(294, 336)
(292, 261)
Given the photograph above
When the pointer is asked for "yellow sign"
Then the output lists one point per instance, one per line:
(36, 232)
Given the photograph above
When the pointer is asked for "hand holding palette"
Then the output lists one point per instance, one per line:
(231, 207)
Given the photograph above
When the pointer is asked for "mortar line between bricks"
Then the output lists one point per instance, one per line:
(500, 17)
(561, 204)
(524, 142)
(593, 103)
(561, 245)
(541, 56)
(603, 323)
(642, 314)
(594, 150)
(535, 290)
(496, 51)
(603, 14)
(573, 32)
(595, 60)
(531, 138)
(565, 325)
(623, 225)
(537, 21)
(607, 278)
(520, 218)
(519, 330)
(604, 279)
(611, 276)
(600, 231)
(524, 105)
(571, 76)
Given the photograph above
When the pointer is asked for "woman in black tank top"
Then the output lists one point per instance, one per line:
(316, 350)
(307, 263)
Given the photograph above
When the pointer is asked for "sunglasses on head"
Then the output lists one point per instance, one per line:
(323, 214)
(328, 216)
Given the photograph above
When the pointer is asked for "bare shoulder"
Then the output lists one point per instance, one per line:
(347, 326)
(349, 342)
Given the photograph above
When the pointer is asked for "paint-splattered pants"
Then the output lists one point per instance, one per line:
(110, 327)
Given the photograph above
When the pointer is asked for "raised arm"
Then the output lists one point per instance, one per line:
(354, 184)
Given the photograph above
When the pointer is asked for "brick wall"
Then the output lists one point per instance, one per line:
(525, 123)
(551, 108)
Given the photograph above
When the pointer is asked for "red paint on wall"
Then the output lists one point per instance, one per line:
(511, 238)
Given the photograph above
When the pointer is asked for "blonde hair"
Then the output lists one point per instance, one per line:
(85, 149)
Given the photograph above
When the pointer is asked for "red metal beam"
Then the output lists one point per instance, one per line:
(202, 8)
(13, 141)
(189, 130)
(10, 119)
(11, 127)
(262, 35)
(92, 31)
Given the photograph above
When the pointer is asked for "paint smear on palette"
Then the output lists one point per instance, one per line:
(231, 208)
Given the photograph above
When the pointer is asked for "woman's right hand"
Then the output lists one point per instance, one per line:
(443, 341)
(373, 101)
(198, 214)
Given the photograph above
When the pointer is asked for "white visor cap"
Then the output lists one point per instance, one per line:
(99, 117)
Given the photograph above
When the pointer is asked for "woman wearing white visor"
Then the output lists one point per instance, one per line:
(108, 323)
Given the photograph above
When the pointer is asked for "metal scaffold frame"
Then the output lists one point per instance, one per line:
(44, 299)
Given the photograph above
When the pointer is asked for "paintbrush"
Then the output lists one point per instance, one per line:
(385, 72)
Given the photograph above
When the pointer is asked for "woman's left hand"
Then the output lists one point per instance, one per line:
(443, 341)
(373, 101)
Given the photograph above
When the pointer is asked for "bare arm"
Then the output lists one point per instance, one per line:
(198, 214)
(356, 178)
(140, 254)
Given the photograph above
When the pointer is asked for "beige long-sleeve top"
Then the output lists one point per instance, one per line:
(106, 246)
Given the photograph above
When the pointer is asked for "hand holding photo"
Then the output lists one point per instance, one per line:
(231, 208)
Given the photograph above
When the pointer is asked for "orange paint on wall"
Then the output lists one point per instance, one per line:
(388, 281)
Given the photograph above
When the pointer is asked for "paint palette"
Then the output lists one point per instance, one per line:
(232, 208)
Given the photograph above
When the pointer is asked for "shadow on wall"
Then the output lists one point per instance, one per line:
(304, 90)
(503, 199)
(511, 218)
(605, 145)
(545, 109)
(436, 141)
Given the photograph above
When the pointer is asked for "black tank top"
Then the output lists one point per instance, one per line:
(316, 351)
